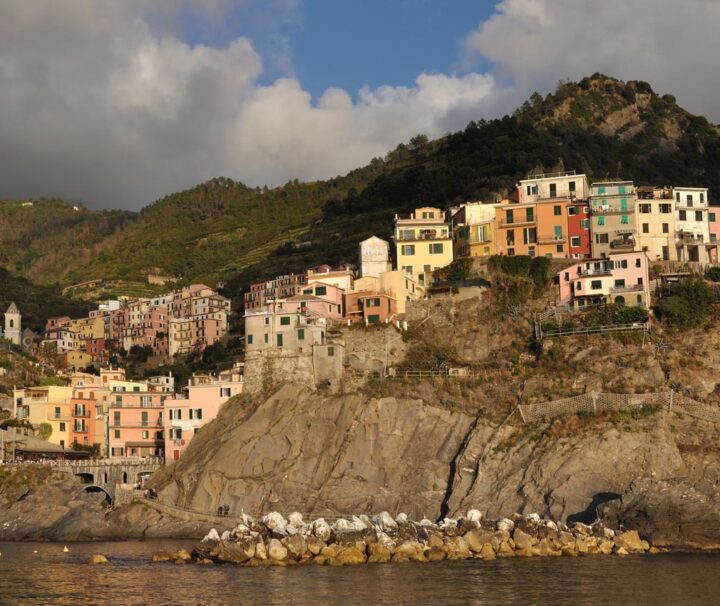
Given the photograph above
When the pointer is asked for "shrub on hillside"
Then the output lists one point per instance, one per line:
(687, 305)
(713, 274)
(459, 269)
(535, 268)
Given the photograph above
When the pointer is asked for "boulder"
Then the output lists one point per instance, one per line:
(523, 541)
(232, 553)
(295, 519)
(506, 524)
(473, 515)
(211, 536)
(379, 553)
(385, 522)
(274, 521)
(409, 550)
(98, 558)
(630, 541)
(161, 556)
(296, 546)
(456, 548)
(182, 554)
(487, 552)
(350, 556)
(276, 550)
(314, 545)
(321, 529)
(261, 551)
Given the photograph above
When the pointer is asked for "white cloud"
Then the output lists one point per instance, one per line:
(103, 102)
(100, 106)
(670, 43)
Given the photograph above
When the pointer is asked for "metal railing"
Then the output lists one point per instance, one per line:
(518, 222)
(551, 239)
(627, 288)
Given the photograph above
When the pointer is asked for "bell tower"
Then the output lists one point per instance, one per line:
(13, 323)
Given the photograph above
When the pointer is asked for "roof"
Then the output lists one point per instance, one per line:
(13, 309)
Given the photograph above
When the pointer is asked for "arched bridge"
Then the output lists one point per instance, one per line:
(106, 475)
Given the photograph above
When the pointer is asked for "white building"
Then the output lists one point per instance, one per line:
(13, 324)
(692, 229)
(374, 257)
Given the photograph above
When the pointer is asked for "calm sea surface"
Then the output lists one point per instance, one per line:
(53, 577)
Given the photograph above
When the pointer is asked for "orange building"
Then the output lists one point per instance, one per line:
(516, 226)
(82, 424)
(370, 307)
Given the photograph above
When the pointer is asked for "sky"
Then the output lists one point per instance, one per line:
(115, 104)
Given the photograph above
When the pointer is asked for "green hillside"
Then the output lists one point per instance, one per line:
(36, 303)
(223, 230)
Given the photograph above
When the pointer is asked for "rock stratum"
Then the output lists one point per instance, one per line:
(352, 454)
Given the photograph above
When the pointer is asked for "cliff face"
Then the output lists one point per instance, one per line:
(350, 455)
(322, 454)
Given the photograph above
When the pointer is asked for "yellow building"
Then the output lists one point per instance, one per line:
(46, 405)
(474, 233)
(423, 243)
(655, 215)
(78, 359)
(397, 284)
(88, 328)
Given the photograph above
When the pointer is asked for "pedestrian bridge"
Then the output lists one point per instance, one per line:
(106, 475)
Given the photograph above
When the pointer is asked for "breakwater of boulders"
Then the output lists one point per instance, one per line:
(275, 541)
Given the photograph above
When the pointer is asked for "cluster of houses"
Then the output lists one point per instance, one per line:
(179, 322)
(126, 419)
(614, 229)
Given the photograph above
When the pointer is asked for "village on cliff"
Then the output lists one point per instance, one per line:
(610, 234)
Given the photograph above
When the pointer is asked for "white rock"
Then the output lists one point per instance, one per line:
(506, 524)
(211, 536)
(608, 533)
(358, 524)
(276, 550)
(291, 530)
(342, 524)
(274, 521)
(473, 515)
(401, 518)
(321, 529)
(426, 522)
(241, 530)
(384, 522)
(246, 519)
(448, 523)
(552, 525)
(260, 551)
(296, 519)
(366, 521)
(225, 536)
(533, 517)
(385, 540)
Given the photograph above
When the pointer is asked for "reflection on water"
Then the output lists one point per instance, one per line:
(53, 577)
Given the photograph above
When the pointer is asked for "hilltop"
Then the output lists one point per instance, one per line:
(222, 230)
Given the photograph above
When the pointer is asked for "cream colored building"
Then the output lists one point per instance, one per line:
(474, 233)
(50, 405)
(374, 257)
(655, 215)
(397, 284)
(423, 243)
(692, 228)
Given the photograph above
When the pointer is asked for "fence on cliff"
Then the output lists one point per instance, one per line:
(597, 403)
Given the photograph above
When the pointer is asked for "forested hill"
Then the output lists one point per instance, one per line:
(223, 230)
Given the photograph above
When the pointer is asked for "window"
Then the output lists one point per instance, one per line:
(665, 209)
(623, 204)
(557, 210)
(279, 340)
(601, 190)
(698, 215)
(689, 199)
(665, 228)
(136, 388)
(529, 235)
(623, 264)
(567, 276)
(407, 250)
(601, 220)
(427, 268)
(575, 241)
(307, 291)
(702, 198)
(666, 253)
(436, 249)
(571, 185)
(250, 339)
(144, 419)
(373, 319)
(331, 351)
(62, 426)
(559, 248)
(284, 320)
(585, 223)
(116, 418)
(372, 302)
(596, 284)
(677, 196)
(408, 269)
(683, 215)
(646, 228)
(531, 251)
(624, 220)
(557, 232)
(638, 263)
(529, 216)
(572, 211)
(267, 321)
(301, 334)
(145, 435)
(621, 189)
(711, 217)
(578, 285)
(116, 433)
(510, 237)
(601, 238)
(620, 282)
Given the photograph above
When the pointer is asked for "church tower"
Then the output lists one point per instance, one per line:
(13, 324)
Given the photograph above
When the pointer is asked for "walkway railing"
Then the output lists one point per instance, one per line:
(597, 403)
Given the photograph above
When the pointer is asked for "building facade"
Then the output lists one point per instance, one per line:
(613, 224)
(423, 243)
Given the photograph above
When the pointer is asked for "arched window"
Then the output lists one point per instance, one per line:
(620, 300)
(12, 323)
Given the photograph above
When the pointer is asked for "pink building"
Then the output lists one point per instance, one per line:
(621, 279)
(319, 299)
(714, 225)
(136, 424)
(204, 395)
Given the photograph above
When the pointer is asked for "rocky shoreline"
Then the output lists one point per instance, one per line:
(275, 541)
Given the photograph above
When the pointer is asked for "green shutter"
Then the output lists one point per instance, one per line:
(623, 204)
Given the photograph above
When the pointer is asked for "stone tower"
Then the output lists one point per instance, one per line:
(13, 324)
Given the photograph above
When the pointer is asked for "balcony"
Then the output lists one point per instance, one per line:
(627, 288)
(564, 194)
(606, 271)
(691, 239)
(518, 222)
(612, 210)
(551, 239)
(622, 244)
(423, 236)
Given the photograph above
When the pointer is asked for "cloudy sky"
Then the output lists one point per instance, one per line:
(116, 103)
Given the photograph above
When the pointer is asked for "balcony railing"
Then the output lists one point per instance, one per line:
(623, 244)
(687, 239)
(627, 288)
(551, 239)
(517, 222)
(611, 210)
(423, 236)
(595, 272)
